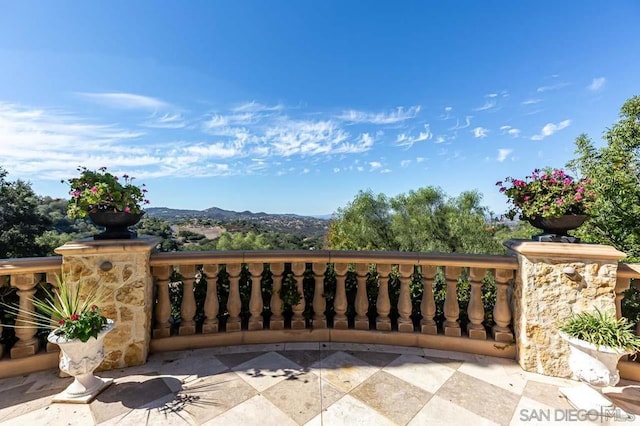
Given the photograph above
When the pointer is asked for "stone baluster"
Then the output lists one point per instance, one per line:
(297, 321)
(28, 344)
(361, 302)
(188, 308)
(277, 320)
(51, 278)
(319, 301)
(501, 310)
(211, 303)
(340, 320)
(255, 302)
(622, 285)
(451, 307)
(475, 310)
(234, 304)
(405, 324)
(383, 304)
(428, 304)
(162, 311)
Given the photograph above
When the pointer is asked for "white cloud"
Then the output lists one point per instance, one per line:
(448, 109)
(531, 101)
(404, 139)
(305, 171)
(336, 170)
(166, 121)
(550, 128)
(488, 104)
(360, 168)
(510, 131)
(125, 100)
(480, 132)
(420, 159)
(405, 163)
(551, 87)
(440, 139)
(399, 115)
(375, 165)
(597, 84)
(503, 154)
(254, 106)
(467, 121)
(385, 171)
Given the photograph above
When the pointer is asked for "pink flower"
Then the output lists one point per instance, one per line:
(580, 189)
(559, 201)
(74, 317)
(577, 197)
(127, 209)
(527, 198)
(94, 189)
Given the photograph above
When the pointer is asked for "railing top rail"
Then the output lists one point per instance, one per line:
(628, 270)
(29, 265)
(334, 256)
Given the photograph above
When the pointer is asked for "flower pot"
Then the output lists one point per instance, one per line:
(597, 366)
(555, 228)
(116, 223)
(79, 360)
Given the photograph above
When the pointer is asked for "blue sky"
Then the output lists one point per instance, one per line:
(295, 106)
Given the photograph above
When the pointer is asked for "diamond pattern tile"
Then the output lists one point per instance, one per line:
(306, 383)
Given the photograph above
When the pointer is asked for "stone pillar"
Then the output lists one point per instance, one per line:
(553, 281)
(123, 267)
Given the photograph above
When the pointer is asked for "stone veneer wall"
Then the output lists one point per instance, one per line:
(555, 280)
(122, 266)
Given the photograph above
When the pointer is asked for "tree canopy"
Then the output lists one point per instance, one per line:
(614, 170)
(421, 220)
(21, 222)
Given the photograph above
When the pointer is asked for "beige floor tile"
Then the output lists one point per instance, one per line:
(253, 412)
(459, 356)
(162, 412)
(479, 397)
(349, 411)
(268, 369)
(532, 412)
(302, 399)
(54, 415)
(503, 373)
(344, 371)
(546, 394)
(440, 412)
(420, 372)
(394, 398)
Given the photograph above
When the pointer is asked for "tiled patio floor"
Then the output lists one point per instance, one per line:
(307, 383)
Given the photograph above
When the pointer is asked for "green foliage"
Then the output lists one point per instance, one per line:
(422, 220)
(602, 329)
(69, 312)
(289, 291)
(21, 222)
(614, 170)
(160, 228)
(99, 190)
(548, 193)
(238, 241)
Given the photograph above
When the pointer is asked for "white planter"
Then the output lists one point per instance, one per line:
(597, 366)
(80, 359)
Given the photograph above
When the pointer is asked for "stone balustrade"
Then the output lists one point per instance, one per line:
(506, 306)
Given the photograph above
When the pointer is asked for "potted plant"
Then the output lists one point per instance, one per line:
(110, 201)
(550, 200)
(78, 328)
(597, 340)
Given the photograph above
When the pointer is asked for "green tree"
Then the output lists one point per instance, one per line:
(614, 170)
(421, 220)
(239, 241)
(161, 228)
(20, 220)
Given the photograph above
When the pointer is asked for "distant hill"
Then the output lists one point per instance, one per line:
(292, 223)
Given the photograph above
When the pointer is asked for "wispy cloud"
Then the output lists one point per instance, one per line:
(125, 100)
(597, 84)
(489, 103)
(165, 121)
(512, 131)
(467, 123)
(405, 163)
(480, 132)
(254, 106)
(531, 101)
(399, 115)
(503, 154)
(375, 165)
(551, 87)
(404, 139)
(550, 128)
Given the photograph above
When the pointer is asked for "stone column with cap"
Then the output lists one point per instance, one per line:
(122, 266)
(555, 280)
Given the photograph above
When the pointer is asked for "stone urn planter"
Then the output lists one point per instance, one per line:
(116, 223)
(79, 360)
(597, 366)
(555, 229)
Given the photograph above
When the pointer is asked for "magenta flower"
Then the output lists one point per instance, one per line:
(127, 209)
(94, 189)
(559, 201)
